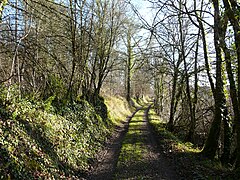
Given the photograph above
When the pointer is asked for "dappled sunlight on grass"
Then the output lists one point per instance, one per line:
(146, 99)
(141, 102)
(139, 157)
(185, 147)
(132, 148)
(176, 144)
(135, 103)
(130, 153)
(118, 109)
(153, 116)
(185, 155)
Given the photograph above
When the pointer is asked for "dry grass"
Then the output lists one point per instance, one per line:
(118, 109)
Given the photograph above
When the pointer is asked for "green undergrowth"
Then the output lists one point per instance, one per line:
(39, 141)
(132, 147)
(187, 157)
(170, 139)
(174, 143)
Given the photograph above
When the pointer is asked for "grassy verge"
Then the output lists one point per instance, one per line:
(118, 109)
(186, 157)
(138, 103)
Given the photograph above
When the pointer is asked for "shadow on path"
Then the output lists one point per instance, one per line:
(151, 163)
(105, 167)
(134, 132)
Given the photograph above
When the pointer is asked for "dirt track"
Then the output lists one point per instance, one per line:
(151, 165)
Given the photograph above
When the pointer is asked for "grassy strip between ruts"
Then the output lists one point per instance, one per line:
(132, 148)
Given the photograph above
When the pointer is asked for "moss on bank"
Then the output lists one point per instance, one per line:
(40, 141)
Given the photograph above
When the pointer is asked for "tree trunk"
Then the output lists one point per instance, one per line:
(206, 56)
(129, 65)
(233, 94)
(211, 144)
(73, 48)
(232, 11)
(188, 92)
(190, 135)
(128, 83)
(170, 124)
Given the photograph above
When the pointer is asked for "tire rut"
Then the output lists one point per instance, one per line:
(107, 159)
(152, 163)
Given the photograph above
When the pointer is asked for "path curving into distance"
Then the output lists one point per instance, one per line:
(133, 153)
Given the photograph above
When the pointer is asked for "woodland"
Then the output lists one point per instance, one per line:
(67, 65)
